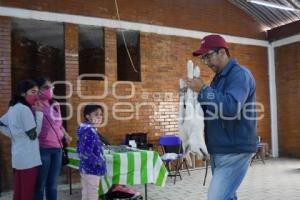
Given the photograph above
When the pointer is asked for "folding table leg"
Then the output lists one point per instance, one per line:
(70, 179)
(146, 195)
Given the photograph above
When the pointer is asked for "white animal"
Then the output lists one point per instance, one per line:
(191, 118)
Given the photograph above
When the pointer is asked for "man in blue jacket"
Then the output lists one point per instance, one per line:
(229, 106)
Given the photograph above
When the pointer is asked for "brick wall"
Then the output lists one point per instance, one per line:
(154, 106)
(217, 16)
(287, 60)
(5, 88)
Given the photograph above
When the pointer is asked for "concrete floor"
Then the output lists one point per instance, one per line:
(278, 179)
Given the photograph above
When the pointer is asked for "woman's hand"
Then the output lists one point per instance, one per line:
(68, 138)
(38, 106)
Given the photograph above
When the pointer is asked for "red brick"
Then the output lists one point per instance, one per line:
(161, 13)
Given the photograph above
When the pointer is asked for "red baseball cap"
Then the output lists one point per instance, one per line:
(210, 42)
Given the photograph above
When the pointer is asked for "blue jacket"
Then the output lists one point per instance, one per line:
(229, 102)
(90, 151)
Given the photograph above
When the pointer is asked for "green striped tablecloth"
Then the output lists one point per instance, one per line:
(129, 168)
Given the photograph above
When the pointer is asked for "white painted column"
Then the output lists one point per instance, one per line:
(273, 100)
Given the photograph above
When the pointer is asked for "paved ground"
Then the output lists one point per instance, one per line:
(279, 179)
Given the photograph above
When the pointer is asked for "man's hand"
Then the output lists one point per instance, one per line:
(196, 84)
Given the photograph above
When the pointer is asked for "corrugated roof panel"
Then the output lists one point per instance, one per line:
(270, 17)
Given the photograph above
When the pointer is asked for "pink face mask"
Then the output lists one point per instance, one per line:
(47, 94)
(31, 99)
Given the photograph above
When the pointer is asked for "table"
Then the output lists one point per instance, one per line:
(128, 168)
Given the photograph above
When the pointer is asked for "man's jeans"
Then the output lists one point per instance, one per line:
(228, 172)
(48, 173)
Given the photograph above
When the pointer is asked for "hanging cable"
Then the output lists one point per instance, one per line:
(124, 40)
